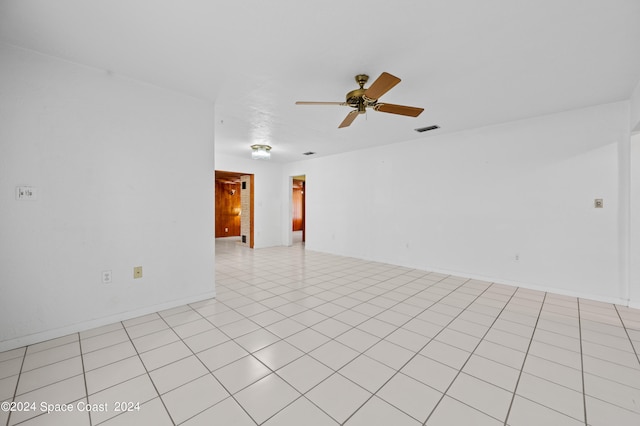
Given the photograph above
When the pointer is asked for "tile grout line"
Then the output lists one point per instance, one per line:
(332, 338)
(506, 303)
(15, 391)
(49, 365)
(302, 395)
(84, 378)
(535, 327)
(363, 354)
(306, 353)
(624, 327)
(360, 353)
(584, 396)
(313, 309)
(207, 368)
(397, 370)
(148, 375)
(424, 346)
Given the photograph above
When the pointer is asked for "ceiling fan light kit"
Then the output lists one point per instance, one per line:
(361, 99)
(260, 152)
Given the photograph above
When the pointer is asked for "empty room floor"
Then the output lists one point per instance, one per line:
(297, 337)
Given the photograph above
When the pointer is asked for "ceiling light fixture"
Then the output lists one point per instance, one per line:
(260, 152)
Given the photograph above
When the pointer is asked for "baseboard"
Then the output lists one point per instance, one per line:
(42, 336)
(635, 305)
(540, 287)
(498, 280)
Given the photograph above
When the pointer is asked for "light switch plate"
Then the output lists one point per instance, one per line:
(25, 193)
(598, 203)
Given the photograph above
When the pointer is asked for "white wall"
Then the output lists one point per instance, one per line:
(635, 109)
(634, 240)
(269, 206)
(124, 177)
(468, 203)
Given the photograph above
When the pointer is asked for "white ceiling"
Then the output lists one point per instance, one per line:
(469, 63)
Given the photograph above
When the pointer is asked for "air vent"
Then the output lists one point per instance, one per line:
(426, 129)
(308, 153)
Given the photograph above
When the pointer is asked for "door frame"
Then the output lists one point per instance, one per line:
(302, 177)
(250, 244)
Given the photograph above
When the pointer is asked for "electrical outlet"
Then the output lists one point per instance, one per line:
(226, 229)
(137, 272)
(106, 277)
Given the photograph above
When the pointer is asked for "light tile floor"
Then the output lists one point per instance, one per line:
(297, 337)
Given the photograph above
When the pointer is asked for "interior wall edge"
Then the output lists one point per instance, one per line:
(634, 113)
(502, 281)
(54, 333)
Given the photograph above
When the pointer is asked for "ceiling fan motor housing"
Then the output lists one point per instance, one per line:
(356, 98)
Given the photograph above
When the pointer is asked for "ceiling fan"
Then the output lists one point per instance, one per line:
(362, 98)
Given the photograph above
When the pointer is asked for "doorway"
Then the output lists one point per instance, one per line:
(234, 213)
(298, 206)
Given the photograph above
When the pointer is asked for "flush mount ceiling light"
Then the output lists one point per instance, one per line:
(260, 152)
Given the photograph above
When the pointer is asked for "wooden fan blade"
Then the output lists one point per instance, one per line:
(382, 85)
(321, 103)
(349, 119)
(399, 109)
